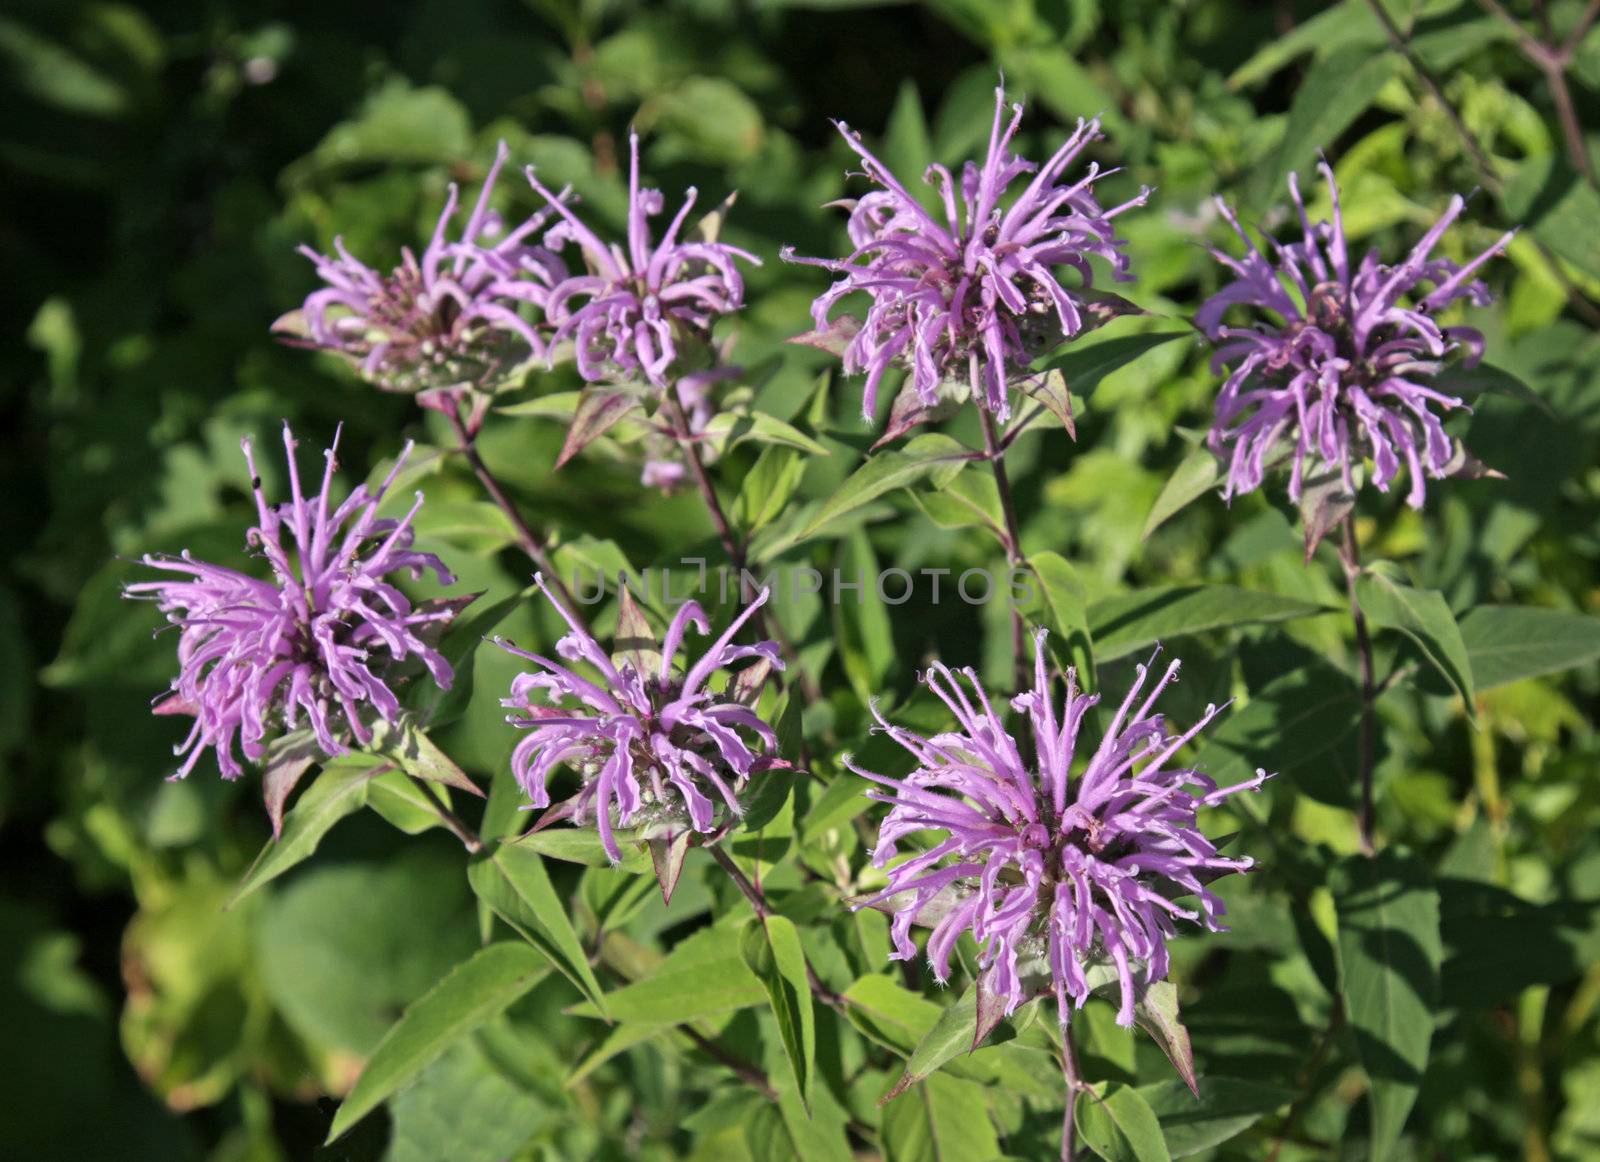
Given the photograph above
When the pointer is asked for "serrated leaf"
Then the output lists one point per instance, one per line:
(1135, 621)
(931, 456)
(476, 990)
(1117, 1123)
(771, 949)
(1389, 955)
(513, 881)
(340, 790)
(1507, 643)
(1197, 473)
(1424, 616)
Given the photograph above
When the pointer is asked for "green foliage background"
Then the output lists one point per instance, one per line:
(162, 162)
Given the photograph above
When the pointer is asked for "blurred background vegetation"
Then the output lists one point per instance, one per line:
(162, 161)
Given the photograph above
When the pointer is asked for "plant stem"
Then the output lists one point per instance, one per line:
(1480, 159)
(1011, 540)
(738, 555)
(454, 822)
(528, 539)
(1069, 1121)
(1350, 558)
(758, 901)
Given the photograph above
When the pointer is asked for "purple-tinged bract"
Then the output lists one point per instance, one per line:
(1054, 874)
(1339, 360)
(654, 745)
(636, 309)
(972, 293)
(319, 639)
(448, 320)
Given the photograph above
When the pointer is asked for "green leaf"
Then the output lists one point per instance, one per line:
(1389, 954)
(1135, 621)
(1301, 726)
(397, 124)
(786, 1132)
(436, 707)
(767, 487)
(1337, 26)
(1118, 1124)
(1067, 609)
(402, 803)
(955, 1033)
(474, 991)
(408, 746)
(1507, 643)
(771, 949)
(1336, 91)
(1156, 1012)
(933, 456)
(577, 845)
(1487, 379)
(558, 405)
(761, 427)
(1084, 365)
(685, 987)
(601, 407)
(942, 1119)
(970, 500)
(1226, 1107)
(1197, 473)
(340, 790)
(1424, 617)
(513, 881)
(1561, 210)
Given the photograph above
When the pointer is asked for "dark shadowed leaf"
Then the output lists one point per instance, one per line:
(1389, 955)
(1137, 620)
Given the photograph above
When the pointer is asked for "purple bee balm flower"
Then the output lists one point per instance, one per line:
(971, 294)
(654, 745)
(1054, 874)
(321, 636)
(449, 320)
(636, 307)
(1338, 363)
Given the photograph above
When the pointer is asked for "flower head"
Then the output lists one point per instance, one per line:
(632, 310)
(971, 294)
(652, 743)
(448, 320)
(1054, 874)
(1338, 363)
(321, 636)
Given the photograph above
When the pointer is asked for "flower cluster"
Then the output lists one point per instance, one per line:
(1053, 873)
(321, 637)
(972, 295)
(651, 743)
(448, 320)
(1340, 362)
(634, 308)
